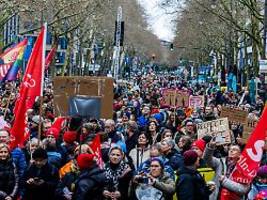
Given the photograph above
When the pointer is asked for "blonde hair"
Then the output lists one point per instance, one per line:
(4, 145)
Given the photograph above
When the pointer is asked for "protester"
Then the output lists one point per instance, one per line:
(118, 174)
(223, 169)
(156, 178)
(90, 182)
(147, 124)
(9, 179)
(141, 153)
(16, 154)
(259, 184)
(168, 151)
(190, 184)
(41, 178)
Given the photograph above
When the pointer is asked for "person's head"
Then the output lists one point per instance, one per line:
(4, 136)
(166, 146)
(234, 152)
(184, 142)
(34, 122)
(40, 157)
(82, 149)
(154, 151)
(70, 137)
(189, 126)
(262, 175)
(191, 158)
(146, 110)
(166, 134)
(132, 127)
(4, 152)
(143, 139)
(208, 110)
(172, 117)
(109, 126)
(156, 167)
(33, 144)
(199, 147)
(152, 126)
(52, 133)
(85, 161)
(115, 155)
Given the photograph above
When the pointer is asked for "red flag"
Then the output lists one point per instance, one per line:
(96, 147)
(249, 162)
(50, 57)
(58, 123)
(30, 88)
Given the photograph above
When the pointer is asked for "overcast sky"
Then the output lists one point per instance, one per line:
(159, 21)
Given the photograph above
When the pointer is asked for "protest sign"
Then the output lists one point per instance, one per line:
(79, 88)
(217, 128)
(174, 98)
(182, 98)
(196, 101)
(249, 128)
(235, 116)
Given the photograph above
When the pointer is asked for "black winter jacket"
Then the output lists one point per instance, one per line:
(9, 179)
(44, 191)
(191, 186)
(90, 184)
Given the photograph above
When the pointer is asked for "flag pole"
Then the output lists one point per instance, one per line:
(42, 85)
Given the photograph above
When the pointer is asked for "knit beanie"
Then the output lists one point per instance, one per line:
(262, 171)
(160, 161)
(85, 160)
(190, 157)
(199, 144)
(52, 131)
(69, 137)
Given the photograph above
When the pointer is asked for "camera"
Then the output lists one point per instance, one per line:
(142, 180)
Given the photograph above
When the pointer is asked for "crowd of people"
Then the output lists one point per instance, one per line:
(148, 151)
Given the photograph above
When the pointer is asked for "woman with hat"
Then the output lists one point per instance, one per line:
(9, 179)
(91, 180)
(118, 175)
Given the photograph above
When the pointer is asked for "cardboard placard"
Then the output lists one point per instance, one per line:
(235, 116)
(196, 101)
(217, 128)
(249, 127)
(182, 98)
(174, 98)
(67, 87)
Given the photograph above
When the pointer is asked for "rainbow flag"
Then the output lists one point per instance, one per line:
(9, 58)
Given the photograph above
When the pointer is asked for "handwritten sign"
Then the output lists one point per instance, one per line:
(235, 116)
(217, 128)
(196, 101)
(249, 128)
(174, 98)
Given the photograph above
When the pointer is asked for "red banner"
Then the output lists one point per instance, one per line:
(96, 147)
(30, 88)
(249, 162)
